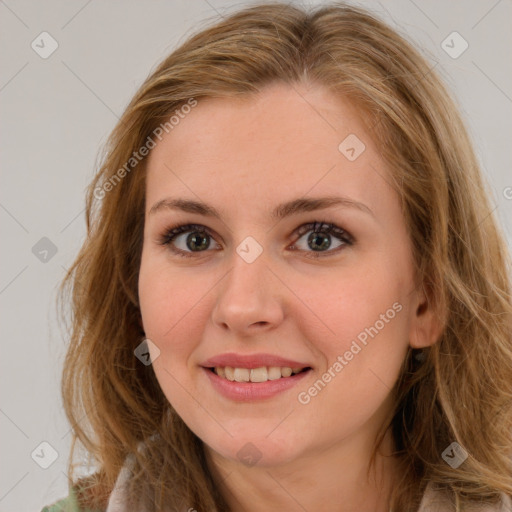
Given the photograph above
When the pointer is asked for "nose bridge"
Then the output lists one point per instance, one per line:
(249, 263)
(248, 278)
(248, 294)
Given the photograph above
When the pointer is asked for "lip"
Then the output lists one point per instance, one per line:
(251, 391)
(252, 361)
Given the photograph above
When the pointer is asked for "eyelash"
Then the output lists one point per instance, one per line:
(316, 226)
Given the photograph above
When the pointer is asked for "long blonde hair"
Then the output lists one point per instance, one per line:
(462, 389)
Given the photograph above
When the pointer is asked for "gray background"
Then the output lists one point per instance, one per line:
(55, 114)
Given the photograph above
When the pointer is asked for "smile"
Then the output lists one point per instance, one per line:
(261, 374)
(223, 380)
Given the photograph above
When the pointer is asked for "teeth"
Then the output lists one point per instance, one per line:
(241, 374)
(286, 372)
(274, 372)
(261, 374)
(229, 372)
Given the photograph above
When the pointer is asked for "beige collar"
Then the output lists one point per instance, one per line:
(432, 501)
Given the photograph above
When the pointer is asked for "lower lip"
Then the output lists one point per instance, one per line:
(249, 391)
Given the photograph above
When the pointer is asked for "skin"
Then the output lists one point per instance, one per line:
(244, 157)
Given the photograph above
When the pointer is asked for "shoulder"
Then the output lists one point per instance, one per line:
(69, 504)
(437, 501)
(115, 501)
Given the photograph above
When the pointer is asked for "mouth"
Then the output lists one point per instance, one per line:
(253, 384)
(256, 375)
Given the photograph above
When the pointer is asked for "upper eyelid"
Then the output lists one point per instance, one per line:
(305, 227)
(167, 240)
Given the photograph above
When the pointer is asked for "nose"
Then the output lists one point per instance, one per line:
(249, 298)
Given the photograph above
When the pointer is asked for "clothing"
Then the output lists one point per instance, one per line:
(432, 501)
(69, 504)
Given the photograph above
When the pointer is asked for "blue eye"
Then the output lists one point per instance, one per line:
(198, 239)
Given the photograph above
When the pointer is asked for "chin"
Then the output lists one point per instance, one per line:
(259, 450)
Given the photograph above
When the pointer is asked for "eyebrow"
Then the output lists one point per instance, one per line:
(283, 210)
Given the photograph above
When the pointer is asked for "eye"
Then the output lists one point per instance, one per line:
(320, 238)
(198, 239)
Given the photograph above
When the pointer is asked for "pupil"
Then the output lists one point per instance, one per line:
(192, 241)
(314, 238)
(194, 238)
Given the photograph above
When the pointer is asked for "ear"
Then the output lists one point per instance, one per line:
(427, 323)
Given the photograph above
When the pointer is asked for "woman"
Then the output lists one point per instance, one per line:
(292, 293)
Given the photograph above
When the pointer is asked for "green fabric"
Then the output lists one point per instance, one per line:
(69, 504)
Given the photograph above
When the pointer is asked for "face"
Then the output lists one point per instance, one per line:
(328, 288)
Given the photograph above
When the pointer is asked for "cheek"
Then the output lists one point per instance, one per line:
(361, 331)
(361, 305)
(164, 295)
(170, 309)
(174, 311)
(161, 303)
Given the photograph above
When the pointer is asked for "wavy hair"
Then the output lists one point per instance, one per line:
(462, 389)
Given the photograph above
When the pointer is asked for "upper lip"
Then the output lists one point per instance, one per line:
(252, 361)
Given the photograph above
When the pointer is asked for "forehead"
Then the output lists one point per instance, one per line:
(256, 151)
